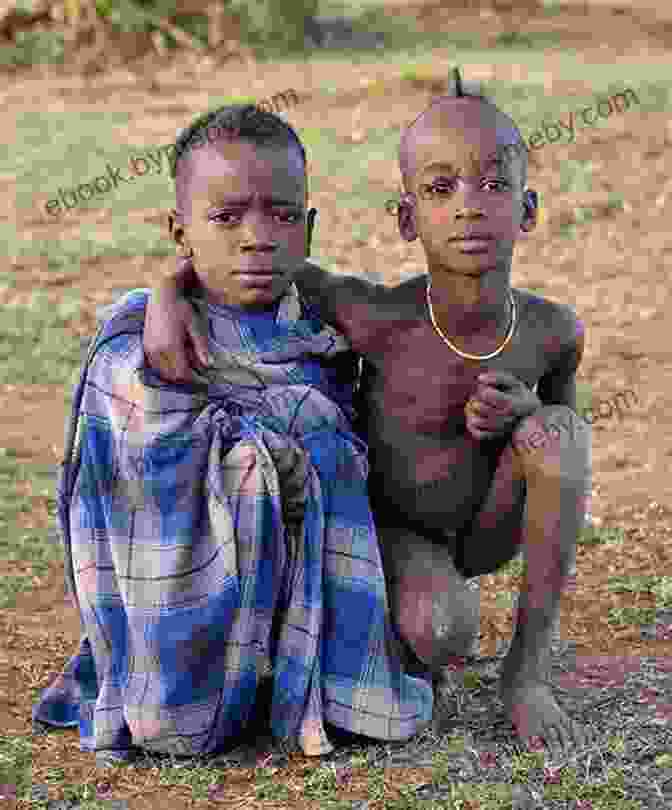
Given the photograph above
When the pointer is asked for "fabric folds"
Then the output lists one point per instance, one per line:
(217, 533)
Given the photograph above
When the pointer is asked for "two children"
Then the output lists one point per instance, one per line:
(451, 362)
(225, 572)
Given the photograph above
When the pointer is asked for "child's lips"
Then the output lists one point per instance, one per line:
(472, 245)
(257, 278)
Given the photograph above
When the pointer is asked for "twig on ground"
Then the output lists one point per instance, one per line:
(178, 34)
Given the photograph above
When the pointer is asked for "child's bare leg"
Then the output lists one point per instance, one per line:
(550, 451)
(434, 608)
(436, 611)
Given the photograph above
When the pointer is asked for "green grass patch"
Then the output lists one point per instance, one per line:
(552, 8)
(321, 783)
(33, 48)
(126, 240)
(16, 759)
(505, 599)
(632, 584)
(36, 347)
(522, 765)
(576, 176)
(36, 548)
(79, 797)
(62, 149)
(538, 39)
(483, 797)
(608, 794)
(631, 615)
(662, 590)
(584, 396)
(592, 535)
(331, 157)
(659, 586)
(54, 152)
(269, 788)
(201, 779)
(513, 567)
(30, 551)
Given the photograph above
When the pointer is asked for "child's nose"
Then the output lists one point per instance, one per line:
(259, 245)
(469, 212)
(469, 199)
(257, 233)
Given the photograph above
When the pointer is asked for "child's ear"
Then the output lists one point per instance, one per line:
(406, 218)
(177, 233)
(531, 213)
(176, 230)
(310, 224)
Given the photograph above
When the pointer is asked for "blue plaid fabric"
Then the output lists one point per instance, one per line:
(218, 533)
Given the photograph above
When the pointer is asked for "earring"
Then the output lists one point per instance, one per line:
(534, 201)
(541, 216)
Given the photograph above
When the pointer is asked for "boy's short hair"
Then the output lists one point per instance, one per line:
(245, 121)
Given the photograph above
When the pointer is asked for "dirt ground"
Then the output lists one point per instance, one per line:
(615, 273)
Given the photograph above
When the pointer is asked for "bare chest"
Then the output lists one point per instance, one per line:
(416, 380)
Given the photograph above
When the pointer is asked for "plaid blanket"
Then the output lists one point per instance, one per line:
(218, 533)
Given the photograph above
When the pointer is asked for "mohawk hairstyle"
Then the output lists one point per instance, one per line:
(458, 88)
(458, 82)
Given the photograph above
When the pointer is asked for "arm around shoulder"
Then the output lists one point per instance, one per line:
(340, 299)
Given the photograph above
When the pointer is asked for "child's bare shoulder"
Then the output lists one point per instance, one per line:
(550, 318)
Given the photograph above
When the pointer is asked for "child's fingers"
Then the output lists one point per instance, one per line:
(479, 408)
(484, 410)
(485, 426)
(481, 433)
(481, 418)
(498, 379)
(492, 397)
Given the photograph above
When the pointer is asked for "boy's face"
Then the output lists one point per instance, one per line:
(246, 225)
(466, 200)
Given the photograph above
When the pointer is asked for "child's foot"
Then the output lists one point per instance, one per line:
(535, 715)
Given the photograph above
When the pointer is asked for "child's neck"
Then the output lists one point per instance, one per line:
(471, 304)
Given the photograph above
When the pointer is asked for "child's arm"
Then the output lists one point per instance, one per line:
(558, 387)
(172, 339)
(344, 302)
(501, 400)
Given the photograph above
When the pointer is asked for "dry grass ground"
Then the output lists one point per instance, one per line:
(605, 248)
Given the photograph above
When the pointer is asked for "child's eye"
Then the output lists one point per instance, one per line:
(288, 217)
(226, 218)
(435, 190)
(502, 184)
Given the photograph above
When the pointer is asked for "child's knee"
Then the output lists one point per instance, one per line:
(554, 440)
(440, 626)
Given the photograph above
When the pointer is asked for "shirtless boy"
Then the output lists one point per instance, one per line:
(462, 474)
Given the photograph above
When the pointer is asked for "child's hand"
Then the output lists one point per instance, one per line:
(498, 404)
(172, 341)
